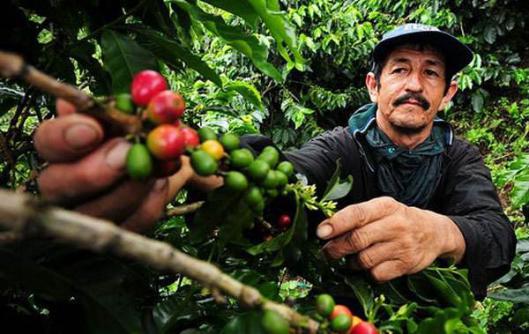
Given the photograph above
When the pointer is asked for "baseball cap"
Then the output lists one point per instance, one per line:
(457, 55)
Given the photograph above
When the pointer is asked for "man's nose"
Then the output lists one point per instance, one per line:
(413, 82)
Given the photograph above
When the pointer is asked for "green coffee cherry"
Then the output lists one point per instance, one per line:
(139, 162)
(206, 133)
(203, 163)
(124, 103)
(236, 181)
(286, 167)
(241, 158)
(230, 141)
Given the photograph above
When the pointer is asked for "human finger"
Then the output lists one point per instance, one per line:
(359, 239)
(376, 254)
(67, 138)
(388, 270)
(64, 107)
(99, 170)
(119, 203)
(356, 215)
(150, 209)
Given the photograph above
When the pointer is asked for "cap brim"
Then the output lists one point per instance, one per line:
(457, 55)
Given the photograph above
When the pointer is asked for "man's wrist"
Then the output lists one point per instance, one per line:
(453, 243)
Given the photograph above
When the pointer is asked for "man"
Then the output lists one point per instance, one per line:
(420, 194)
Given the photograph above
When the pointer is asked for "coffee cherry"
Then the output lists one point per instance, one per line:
(165, 107)
(271, 157)
(258, 170)
(356, 321)
(230, 141)
(213, 148)
(284, 222)
(270, 180)
(124, 103)
(273, 323)
(164, 168)
(324, 302)
(363, 327)
(341, 323)
(286, 167)
(166, 142)
(145, 85)
(236, 181)
(241, 158)
(139, 162)
(206, 133)
(253, 197)
(282, 179)
(340, 309)
(203, 163)
(190, 137)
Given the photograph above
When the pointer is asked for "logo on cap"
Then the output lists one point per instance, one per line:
(418, 27)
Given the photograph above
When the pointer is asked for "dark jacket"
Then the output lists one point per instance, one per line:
(465, 193)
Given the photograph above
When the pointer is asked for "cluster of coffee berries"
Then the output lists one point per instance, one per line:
(158, 153)
(258, 177)
(340, 317)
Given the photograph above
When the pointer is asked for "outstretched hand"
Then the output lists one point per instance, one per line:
(87, 172)
(389, 238)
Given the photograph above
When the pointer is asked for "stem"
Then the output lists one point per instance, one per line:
(184, 209)
(116, 122)
(25, 214)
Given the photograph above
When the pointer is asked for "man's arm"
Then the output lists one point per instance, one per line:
(472, 203)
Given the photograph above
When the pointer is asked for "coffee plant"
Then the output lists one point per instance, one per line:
(186, 78)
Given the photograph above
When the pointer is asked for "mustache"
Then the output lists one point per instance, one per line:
(415, 96)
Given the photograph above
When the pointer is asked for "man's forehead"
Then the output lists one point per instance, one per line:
(411, 52)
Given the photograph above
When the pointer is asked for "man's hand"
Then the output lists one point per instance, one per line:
(390, 238)
(88, 173)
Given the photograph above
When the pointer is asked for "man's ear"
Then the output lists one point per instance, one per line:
(371, 84)
(452, 90)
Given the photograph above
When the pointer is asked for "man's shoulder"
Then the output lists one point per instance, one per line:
(462, 150)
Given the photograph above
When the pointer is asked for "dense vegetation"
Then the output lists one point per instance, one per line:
(288, 69)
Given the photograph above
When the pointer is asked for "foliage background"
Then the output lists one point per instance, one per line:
(288, 69)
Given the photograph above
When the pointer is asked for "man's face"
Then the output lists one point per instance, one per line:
(411, 89)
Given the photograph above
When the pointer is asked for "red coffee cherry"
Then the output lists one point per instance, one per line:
(165, 107)
(192, 138)
(145, 85)
(166, 142)
(284, 221)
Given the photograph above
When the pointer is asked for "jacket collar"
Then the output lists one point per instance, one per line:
(363, 118)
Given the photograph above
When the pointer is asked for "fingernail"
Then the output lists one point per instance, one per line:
(323, 231)
(117, 155)
(80, 136)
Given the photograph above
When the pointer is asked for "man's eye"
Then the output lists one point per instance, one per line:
(398, 70)
(432, 73)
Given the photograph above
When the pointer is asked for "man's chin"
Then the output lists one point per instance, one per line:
(408, 129)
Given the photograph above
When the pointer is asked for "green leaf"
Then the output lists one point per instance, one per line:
(234, 36)
(169, 51)
(520, 190)
(337, 188)
(240, 8)
(248, 91)
(123, 57)
(520, 296)
(280, 28)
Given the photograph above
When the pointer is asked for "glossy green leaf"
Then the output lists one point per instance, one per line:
(281, 29)
(234, 36)
(122, 58)
(520, 295)
(240, 8)
(168, 50)
(248, 91)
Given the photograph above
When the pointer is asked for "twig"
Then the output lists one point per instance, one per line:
(184, 209)
(22, 213)
(13, 66)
